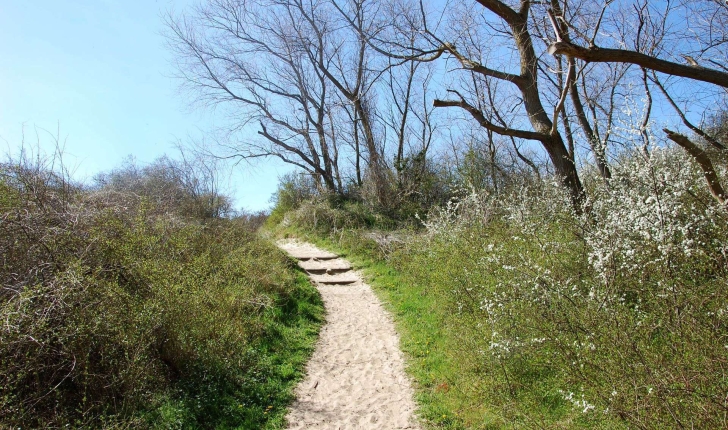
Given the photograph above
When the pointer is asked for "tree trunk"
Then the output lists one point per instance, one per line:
(554, 143)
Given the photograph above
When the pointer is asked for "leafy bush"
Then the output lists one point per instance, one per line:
(394, 198)
(414, 186)
(117, 312)
(292, 190)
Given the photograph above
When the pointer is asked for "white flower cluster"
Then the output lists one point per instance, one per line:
(579, 295)
(654, 214)
(472, 208)
(580, 403)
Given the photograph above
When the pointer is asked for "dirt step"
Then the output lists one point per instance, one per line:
(336, 279)
(320, 267)
(327, 271)
(307, 254)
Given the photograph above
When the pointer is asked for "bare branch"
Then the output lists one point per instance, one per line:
(484, 122)
(711, 177)
(562, 99)
(607, 55)
(684, 119)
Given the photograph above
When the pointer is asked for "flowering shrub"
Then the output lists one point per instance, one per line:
(663, 218)
(618, 314)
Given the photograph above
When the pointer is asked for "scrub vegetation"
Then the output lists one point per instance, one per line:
(518, 312)
(535, 189)
(135, 303)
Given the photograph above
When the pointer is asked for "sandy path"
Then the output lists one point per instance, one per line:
(355, 379)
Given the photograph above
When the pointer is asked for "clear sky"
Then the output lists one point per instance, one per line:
(99, 71)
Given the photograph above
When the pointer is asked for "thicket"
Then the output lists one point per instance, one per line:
(134, 304)
(396, 201)
(518, 312)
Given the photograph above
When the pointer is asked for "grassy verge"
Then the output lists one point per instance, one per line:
(257, 393)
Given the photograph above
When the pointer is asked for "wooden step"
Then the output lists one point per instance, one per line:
(337, 279)
(320, 267)
(305, 254)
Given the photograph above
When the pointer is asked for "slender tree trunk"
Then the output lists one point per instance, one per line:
(357, 150)
(591, 137)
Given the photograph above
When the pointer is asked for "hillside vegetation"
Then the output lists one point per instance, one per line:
(537, 189)
(517, 312)
(133, 304)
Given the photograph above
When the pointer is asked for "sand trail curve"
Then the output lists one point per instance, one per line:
(355, 378)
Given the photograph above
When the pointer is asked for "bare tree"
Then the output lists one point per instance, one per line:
(297, 72)
(252, 58)
(511, 25)
(652, 35)
(577, 72)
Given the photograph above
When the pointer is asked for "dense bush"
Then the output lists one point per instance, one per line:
(620, 311)
(187, 188)
(414, 186)
(292, 191)
(117, 312)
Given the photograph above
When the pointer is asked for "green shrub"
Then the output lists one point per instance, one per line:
(293, 189)
(119, 314)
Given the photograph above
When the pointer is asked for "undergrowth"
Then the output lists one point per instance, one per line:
(516, 312)
(121, 313)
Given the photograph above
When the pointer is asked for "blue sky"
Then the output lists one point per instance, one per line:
(99, 71)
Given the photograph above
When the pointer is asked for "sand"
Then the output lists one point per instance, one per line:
(355, 378)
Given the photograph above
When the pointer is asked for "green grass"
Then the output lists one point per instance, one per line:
(208, 399)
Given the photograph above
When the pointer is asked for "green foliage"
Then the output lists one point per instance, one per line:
(410, 189)
(416, 185)
(323, 213)
(293, 189)
(515, 312)
(322, 216)
(123, 315)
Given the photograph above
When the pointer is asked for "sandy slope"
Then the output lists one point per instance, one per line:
(355, 379)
